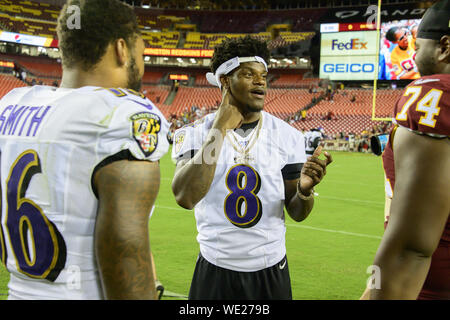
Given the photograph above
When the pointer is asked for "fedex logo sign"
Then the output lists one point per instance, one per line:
(353, 44)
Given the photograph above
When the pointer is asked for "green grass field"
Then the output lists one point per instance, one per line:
(328, 253)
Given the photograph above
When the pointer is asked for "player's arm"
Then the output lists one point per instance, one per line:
(299, 197)
(398, 70)
(193, 177)
(387, 210)
(409, 74)
(419, 211)
(126, 191)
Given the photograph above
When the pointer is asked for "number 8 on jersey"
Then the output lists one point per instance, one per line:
(242, 206)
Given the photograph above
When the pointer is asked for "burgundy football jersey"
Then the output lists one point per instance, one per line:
(425, 106)
(425, 109)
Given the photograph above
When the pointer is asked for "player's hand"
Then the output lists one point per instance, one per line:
(228, 116)
(314, 170)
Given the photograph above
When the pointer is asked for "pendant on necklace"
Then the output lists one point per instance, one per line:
(243, 158)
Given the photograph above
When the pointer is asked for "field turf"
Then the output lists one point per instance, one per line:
(328, 253)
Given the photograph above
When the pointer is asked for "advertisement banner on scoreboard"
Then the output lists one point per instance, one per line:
(348, 67)
(369, 13)
(27, 39)
(192, 53)
(354, 43)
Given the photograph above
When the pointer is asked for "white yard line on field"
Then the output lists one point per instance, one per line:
(333, 231)
(380, 203)
(299, 226)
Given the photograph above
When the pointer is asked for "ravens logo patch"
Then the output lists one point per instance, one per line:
(179, 140)
(145, 128)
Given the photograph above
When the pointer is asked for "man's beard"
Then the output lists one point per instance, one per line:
(134, 81)
(427, 67)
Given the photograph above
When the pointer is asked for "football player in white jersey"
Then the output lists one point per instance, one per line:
(312, 140)
(239, 168)
(79, 166)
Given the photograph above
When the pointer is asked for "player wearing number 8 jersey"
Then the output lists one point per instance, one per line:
(240, 167)
(79, 167)
(414, 254)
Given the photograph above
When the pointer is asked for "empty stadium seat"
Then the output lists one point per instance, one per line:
(9, 82)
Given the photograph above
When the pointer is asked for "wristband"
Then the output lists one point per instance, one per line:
(302, 196)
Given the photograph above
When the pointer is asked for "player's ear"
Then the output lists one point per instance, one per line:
(225, 81)
(444, 44)
(121, 51)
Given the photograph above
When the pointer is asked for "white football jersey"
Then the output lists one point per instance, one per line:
(240, 221)
(310, 136)
(51, 140)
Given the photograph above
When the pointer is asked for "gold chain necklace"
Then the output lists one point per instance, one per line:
(243, 156)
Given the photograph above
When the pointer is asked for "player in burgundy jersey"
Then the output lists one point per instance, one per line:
(414, 254)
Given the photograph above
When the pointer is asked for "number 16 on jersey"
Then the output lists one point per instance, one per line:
(38, 248)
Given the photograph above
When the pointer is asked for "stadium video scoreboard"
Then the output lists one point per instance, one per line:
(349, 51)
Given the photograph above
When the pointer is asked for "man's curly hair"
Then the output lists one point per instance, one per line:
(102, 22)
(239, 47)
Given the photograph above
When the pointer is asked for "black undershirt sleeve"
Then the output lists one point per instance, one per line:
(187, 155)
(122, 155)
(292, 171)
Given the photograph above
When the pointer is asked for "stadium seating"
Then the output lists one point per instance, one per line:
(286, 38)
(199, 29)
(160, 28)
(9, 82)
(200, 97)
(157, 94)
(28, 17)
(283, 102)
(151, 77)
(346, 124)
(342, 105)
(37, 66)
(168, 39)
(29, 9)
(197, 40)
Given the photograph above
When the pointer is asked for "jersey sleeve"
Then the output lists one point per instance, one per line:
(188, 140)
(296, 147)
(296, 155)
(135, 125)
(186, 143)
(424, 107)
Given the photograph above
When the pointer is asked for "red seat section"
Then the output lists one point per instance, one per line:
(9, 82)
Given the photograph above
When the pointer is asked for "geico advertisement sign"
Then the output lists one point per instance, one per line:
(351, 68)
(357, 43)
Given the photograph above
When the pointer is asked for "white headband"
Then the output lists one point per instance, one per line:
(229, 66)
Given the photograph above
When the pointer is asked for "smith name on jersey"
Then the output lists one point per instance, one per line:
(51, 141)
(240, 221)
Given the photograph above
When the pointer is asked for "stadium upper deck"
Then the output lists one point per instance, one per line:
(175, 27)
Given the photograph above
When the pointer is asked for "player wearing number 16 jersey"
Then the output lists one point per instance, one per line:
(75, 198)
(414, 254)
(240, 167)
